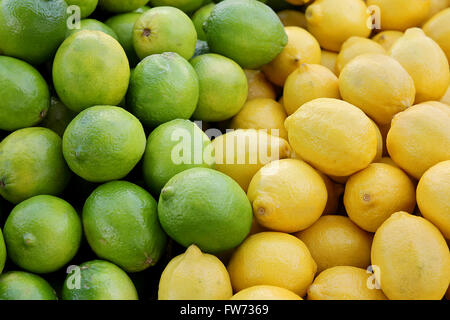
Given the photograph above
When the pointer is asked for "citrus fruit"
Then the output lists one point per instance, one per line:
(375, 193)
(413, 258)
(87, 7)
(32, 30)
(184, 5)
(309, 82)
(446, 97)
(120, 221)
(258, 85)
(272, 258)
(194, 275)
(2, 252)
(380, 143)
(31, 163)
(223, 87)
(80, 85)
(99, 280)
(234, 30)
(328, 59)
(436, 6)
(334, 136)
(344, 283)
(141, 9)
(265, 293)
(25, 95)
(205, 207)
(121, 6)
(19, 285)
(173, 147)
(331, 22)
(387, 38)
(287, 195)
(378, 85)
(298, 2)
(201, 47)
(93, 25)
(103, 143)
(163, 87)
(241, 153)
(301, 48)
(292, 18)
(401, 14)
(433, 192)
(438, 29)
(42, 234)
(336, 241)
(58, 117)
(123, 25)
(419, 137)
(164, 29)
(199, 19)
(261, 114)
(425, 62)
(354, 47)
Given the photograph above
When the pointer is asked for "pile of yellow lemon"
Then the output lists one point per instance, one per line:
(352, 197)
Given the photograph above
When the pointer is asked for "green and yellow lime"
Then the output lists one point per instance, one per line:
(19, 285)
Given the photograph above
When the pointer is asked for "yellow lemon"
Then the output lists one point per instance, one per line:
(302, 47)
(373, 194)
(334, 192)
(334, 136)
(433, 194)
(438, 29)
(195, 275)
(425, 62)
(380, 143)
(287, 195)
(446, 97)
(292, 18)
(241, 153)
(356, 46)
(401, 14)
(259, 86)
(332, 22)
(265, 293)
(309, 82)
(336, 241)
(272, 258)
(419, 137)
(261, 113)
(344, 283)
(387, 38)
(328, 59)
(437, 6)
(378, 85)
(412, 258)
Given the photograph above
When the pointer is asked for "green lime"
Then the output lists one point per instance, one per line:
(2, 252)
(123, 25)
(58, 117)
(24, 94)
(200, 17)
(98, 280)
(103, 143)
(142, 9)
(173, 147)
(163, 87)
(247, 31)
(120, 221)
(223, 87)
(184, 5)
(93, 25)
(201, 48)
(31, 163)
(42, 234)
(19, 285)
(205, 207)
(86, 6)
(164, 29)
(121, 5)
(32, 30)
(82, 64)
